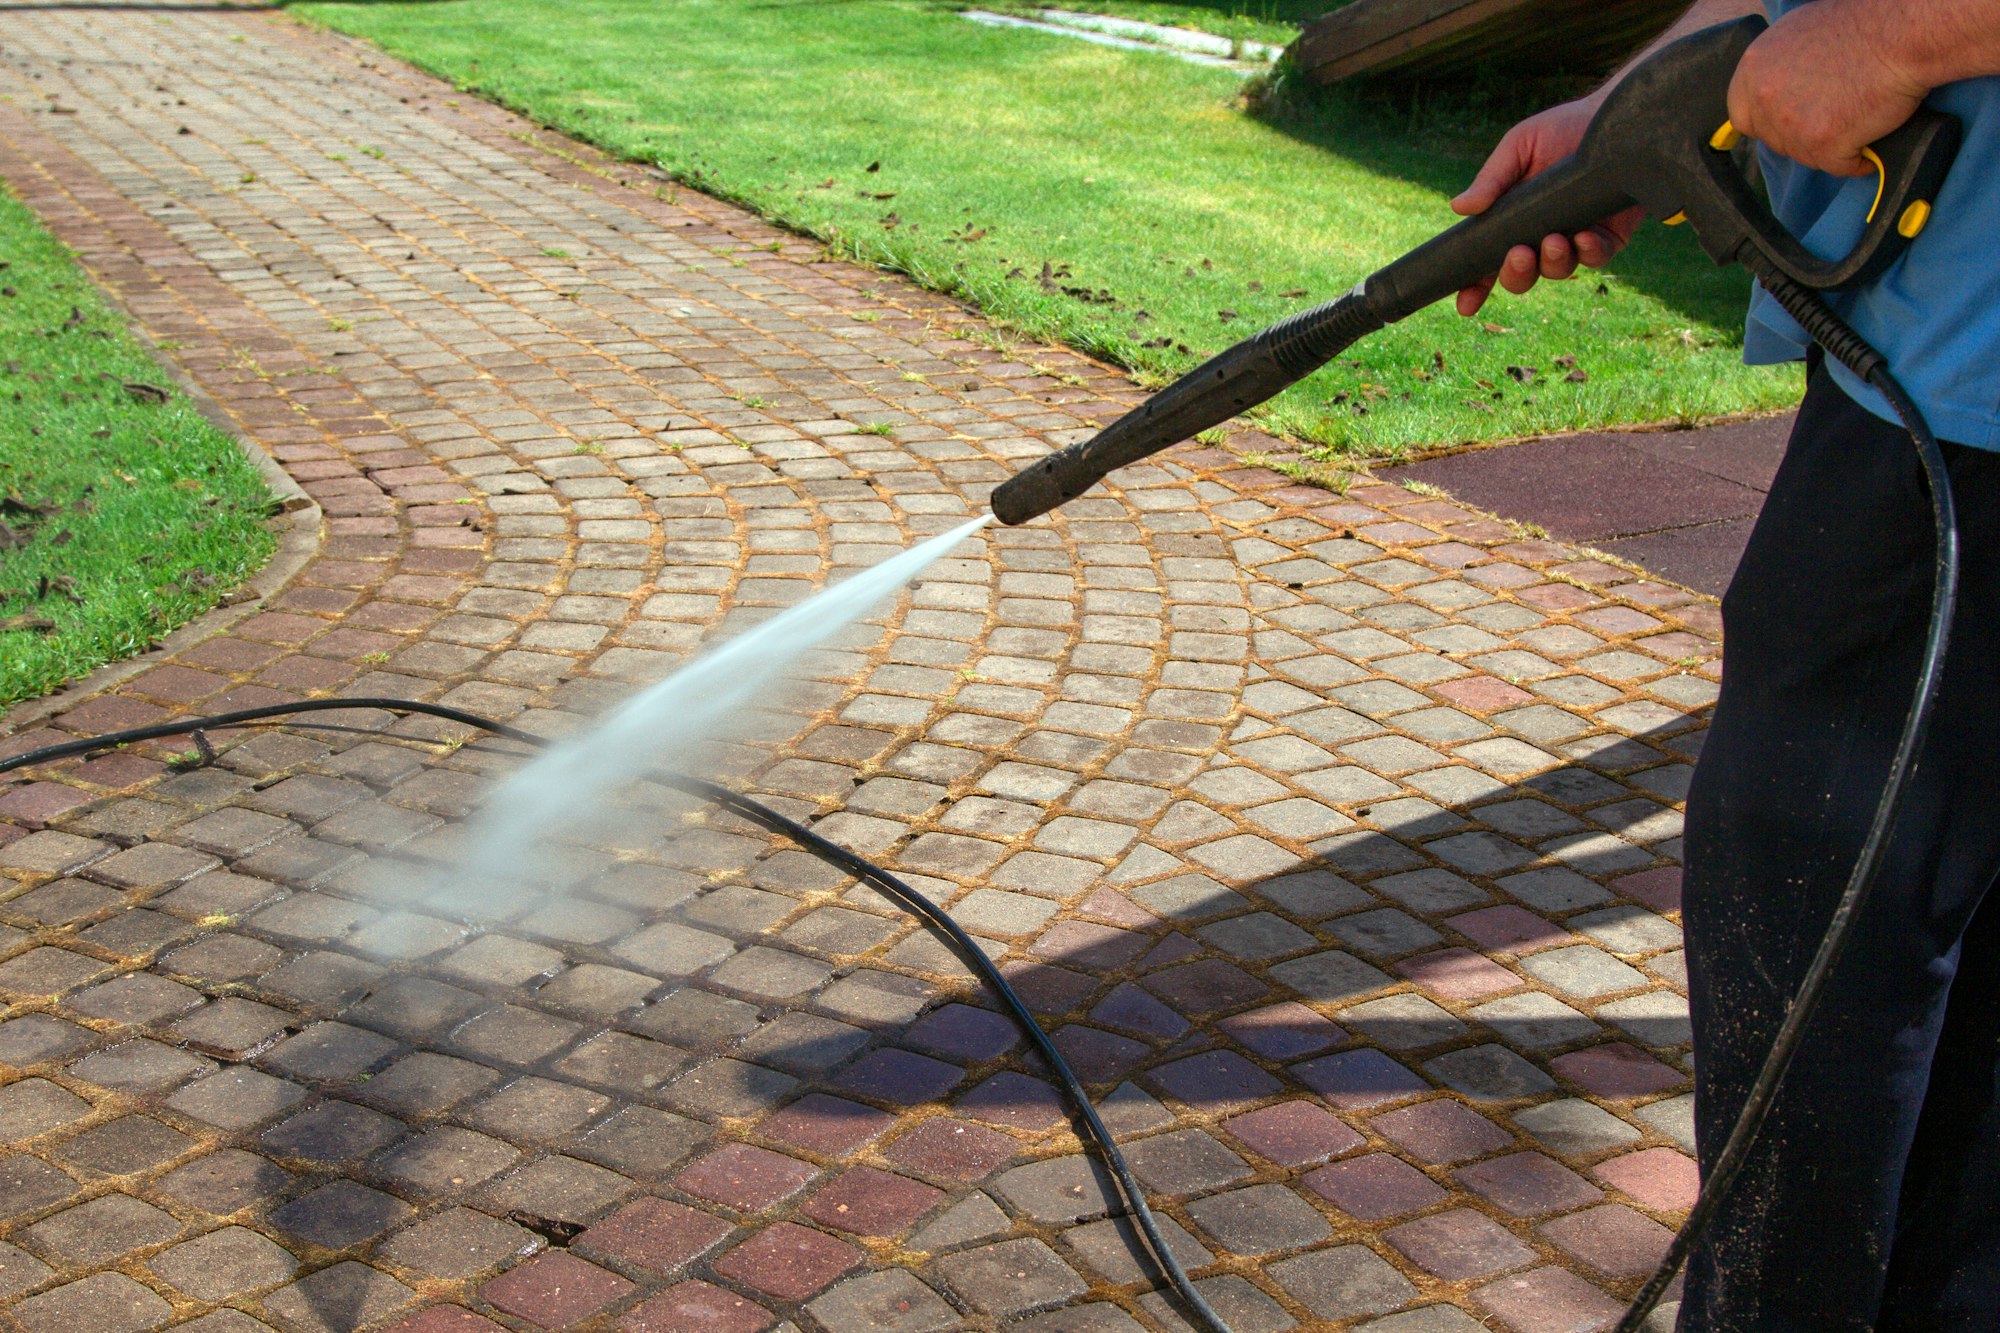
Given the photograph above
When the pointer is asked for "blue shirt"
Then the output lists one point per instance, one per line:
(1935, 312)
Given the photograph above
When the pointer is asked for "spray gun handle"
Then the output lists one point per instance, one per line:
(1664, 136)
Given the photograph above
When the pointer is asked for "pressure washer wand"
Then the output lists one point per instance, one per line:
(1654, 142)
(1564, 198)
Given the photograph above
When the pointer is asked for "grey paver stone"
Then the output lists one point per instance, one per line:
(1411, 817)
(1184, 1162)
(33, 1038)
(1504, 756)
(100, 1231)
(1189, 897)
(102, 1302)
(726, 1087)
(1111, 1248)
(1673, 1117)
(1583, 970)
(1430, 892)
(346, 1296)
(669, 949)
(1489, 1073)
(1385, 932)
(459, 1243)
(232, 1027)
(1480, 853)
(535, 1110)
(1554, 889)
(885, 1301)
(1255, 937)
(444, 1160)
(1657, 1018)
(1010, 1277)
(223, 1264)
(643, 1142)
(972, 1218)
(1244, 857)
(124, 1146)
(35, 1106)
(1575, 1127)
(1402, 1022)
(20, 1271)
(1313, 895)
(137, 1067)
(1331, 976)
(236, 1097)
(1259, 1220)
(1060, 1189)
(1364, 852)
(1244, 1309)
(1429, 1319)
(224, 1182)
(1343, 1282)
(1533, 1021)
(1628, 930)
(341, 1214)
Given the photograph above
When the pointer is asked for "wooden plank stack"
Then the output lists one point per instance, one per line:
(1413, 39)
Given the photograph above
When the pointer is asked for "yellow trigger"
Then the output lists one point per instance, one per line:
(1881, 180)
(1913, 219)
(1725, 138)
(1674, 221)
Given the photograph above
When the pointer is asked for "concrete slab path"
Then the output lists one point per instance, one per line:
(1334, 836)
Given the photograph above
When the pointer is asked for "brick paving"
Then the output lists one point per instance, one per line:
(1334, 836)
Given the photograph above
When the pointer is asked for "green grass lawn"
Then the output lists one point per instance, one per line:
(123, 512)
(1123, 202)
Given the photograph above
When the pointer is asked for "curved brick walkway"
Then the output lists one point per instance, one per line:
(1335, 836)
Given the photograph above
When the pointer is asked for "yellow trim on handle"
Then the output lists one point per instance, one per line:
(1674, 221)
(1881, 180)
(1729, 136)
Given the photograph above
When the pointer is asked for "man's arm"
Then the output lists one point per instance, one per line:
(1817, 86)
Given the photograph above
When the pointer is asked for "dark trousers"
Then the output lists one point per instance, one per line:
(1873, 1198)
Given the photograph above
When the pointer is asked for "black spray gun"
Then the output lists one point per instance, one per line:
(1661, 140)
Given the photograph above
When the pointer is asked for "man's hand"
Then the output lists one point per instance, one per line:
(1824, 82)
(1530, 147)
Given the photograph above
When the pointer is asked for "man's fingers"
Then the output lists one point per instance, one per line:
(1596, 246)
(1520, 269)
(1473, 297)
(1501, 171)
(1558, 257)
(1836, 165)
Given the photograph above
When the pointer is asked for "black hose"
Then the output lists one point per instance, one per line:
(1097, 1133)
(1846, 346)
